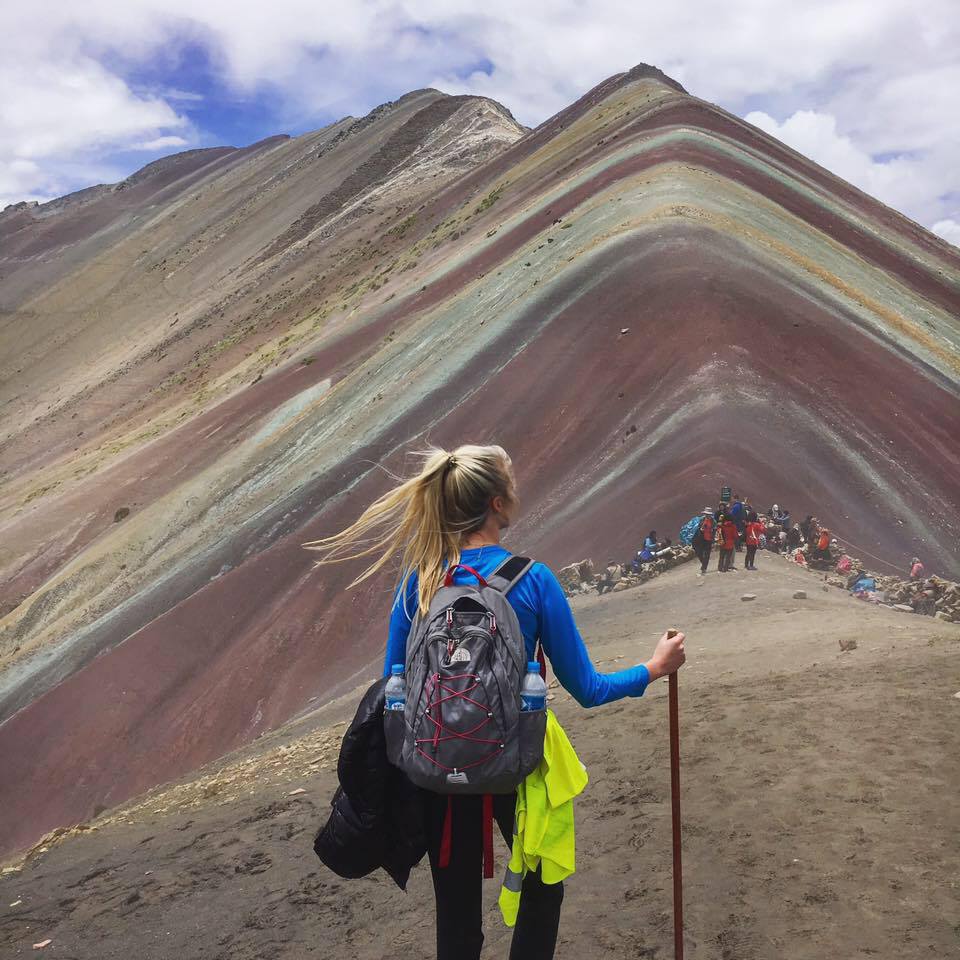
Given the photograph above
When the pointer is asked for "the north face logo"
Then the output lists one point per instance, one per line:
(460, 655)
(460, 777)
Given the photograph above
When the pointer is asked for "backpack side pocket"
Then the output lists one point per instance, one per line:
(532, 730)
(394, 732)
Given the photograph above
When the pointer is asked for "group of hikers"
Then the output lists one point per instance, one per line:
(735, 526)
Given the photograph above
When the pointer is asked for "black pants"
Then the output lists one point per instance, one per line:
(726, 560)
(458, 886)
(751, 553)
(703, 555)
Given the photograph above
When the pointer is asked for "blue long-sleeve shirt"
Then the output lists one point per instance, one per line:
(544, 614)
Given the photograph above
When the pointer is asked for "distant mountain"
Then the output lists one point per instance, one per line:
(643, 298)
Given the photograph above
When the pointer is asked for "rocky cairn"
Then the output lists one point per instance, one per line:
(933, 597)
(585, 577)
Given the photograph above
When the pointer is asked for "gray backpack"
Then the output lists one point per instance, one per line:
(462, 729)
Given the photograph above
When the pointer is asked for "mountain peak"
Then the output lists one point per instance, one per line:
(645, 71)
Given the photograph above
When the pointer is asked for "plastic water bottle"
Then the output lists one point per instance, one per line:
(533, 693)
(395, 691)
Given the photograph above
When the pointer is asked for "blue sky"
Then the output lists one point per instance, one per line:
(190, 80)
(90, 93)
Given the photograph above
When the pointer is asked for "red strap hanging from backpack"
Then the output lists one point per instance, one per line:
(445, 842)
(487, 836)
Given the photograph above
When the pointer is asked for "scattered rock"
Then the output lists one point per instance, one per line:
(800, 595)
(570, 577)
(846, 645)
(121, 514)
(297, 792)
(749, 596)
(902, 607)
(226, 568)
(16, 903)
(624, 331)
(957, 695)
(42, 944)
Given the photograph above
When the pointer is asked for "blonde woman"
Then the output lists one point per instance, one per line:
(453, 511)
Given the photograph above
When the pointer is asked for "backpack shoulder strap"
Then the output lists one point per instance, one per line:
(507, 575)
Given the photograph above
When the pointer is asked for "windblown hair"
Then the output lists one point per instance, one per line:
(426, 517)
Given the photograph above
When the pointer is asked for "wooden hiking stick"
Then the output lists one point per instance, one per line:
(675, 804)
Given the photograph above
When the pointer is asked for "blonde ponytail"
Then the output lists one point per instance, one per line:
(425, 517)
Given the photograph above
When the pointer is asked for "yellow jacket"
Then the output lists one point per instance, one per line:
(543, 831)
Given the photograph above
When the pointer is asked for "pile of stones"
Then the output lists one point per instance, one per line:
(585, 577)
(932, 597)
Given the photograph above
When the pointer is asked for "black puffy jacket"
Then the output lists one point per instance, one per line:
(377, 817)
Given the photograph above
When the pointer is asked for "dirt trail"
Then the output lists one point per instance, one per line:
(818, 791)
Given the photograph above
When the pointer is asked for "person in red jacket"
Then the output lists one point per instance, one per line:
(823, 544)
(728, 541)
(703, 539)
(753, 532)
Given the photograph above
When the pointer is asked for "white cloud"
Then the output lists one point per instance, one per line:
(868, 84)
(172, 93)
(901, 181)
(159, 143)
(58, 108)
(62, 112)
(948, 229)
(53, 177)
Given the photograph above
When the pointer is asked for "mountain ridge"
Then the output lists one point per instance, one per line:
(55, 204)
(642, 298)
